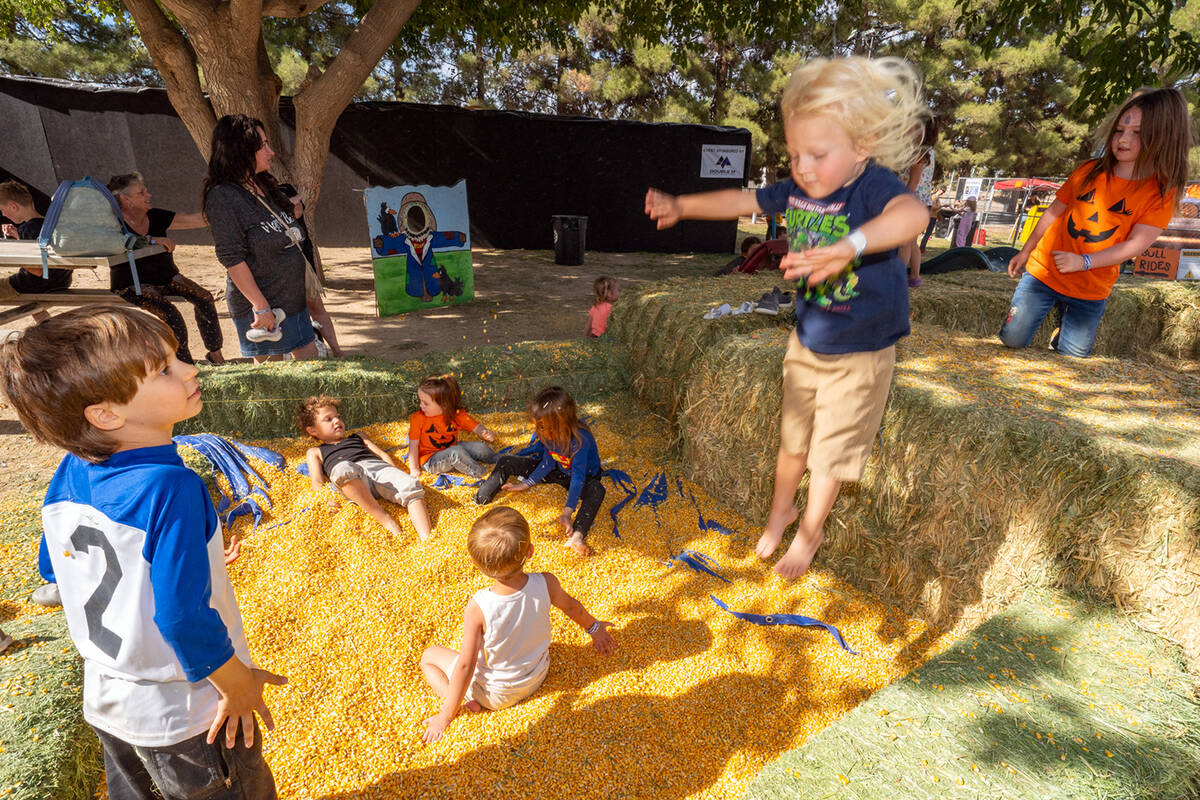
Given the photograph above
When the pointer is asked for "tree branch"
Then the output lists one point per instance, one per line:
(290, 8)
(176, 62)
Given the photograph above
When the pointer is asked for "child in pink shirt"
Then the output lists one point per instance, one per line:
(606, 291)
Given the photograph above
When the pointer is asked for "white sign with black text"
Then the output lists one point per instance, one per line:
(722, 160)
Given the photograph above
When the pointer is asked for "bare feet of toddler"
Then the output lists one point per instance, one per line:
(777, 522)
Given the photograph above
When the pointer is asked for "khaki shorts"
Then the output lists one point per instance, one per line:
(382, 478)
(832, 407)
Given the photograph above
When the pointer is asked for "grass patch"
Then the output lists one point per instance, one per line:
(1051, 699)
(260, 400)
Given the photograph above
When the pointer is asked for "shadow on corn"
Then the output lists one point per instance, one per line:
(632, 746)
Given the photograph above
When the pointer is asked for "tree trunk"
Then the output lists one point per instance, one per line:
(224, 39)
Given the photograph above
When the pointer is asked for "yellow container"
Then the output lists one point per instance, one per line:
(1031, 220)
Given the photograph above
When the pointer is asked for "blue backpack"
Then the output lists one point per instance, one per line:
(84, 219)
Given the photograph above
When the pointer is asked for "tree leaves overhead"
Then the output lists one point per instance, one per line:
(1120, 44)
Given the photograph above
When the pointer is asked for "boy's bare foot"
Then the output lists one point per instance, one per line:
(575, 542)
(799, 555)
(777, 522)
(473, 706)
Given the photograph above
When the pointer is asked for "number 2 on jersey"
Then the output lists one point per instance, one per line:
(82, 539)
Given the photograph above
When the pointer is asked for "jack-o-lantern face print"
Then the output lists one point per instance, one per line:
(1093, 232)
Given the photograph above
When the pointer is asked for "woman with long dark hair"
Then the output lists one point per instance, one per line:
(258, 242)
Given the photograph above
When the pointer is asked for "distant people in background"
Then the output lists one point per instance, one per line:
(935, 212)
(962, 232)
(605, 291)
(258, 243)
(748, 244)
(920, 181)
(1110, 209)
(312, 284)
(158, 274)
(16, 203)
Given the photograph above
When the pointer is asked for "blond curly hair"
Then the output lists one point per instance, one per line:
(878, 101)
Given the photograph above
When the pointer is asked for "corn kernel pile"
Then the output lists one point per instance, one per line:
(693, 704)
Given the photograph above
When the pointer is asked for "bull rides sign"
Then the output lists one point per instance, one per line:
(420, 246)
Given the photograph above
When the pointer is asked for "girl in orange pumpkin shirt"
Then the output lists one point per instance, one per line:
(433, 432)
(1111, 209)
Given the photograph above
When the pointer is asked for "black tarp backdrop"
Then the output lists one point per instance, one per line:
(521, 169)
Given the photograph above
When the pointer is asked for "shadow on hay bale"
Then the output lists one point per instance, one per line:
(1036, 703)
(663, 328)
(995, 470)
(260, 400)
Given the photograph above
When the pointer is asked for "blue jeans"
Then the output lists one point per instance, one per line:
(464, 457)
(1031, 303)
(189, 770)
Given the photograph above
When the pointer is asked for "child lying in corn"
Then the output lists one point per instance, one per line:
(506, 627)
(358, 467)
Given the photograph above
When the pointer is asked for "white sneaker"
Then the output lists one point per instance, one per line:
(745, 308)
(264, 335)
(722, 310)
(47, 595)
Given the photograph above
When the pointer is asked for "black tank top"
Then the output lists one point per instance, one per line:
(351, 448)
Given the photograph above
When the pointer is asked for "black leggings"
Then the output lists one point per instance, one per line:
(154, 299)
(520, 466)
(928, 232)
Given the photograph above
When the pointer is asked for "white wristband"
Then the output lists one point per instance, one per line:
(859, 240)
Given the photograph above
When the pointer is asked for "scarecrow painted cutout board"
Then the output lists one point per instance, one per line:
(420, 246)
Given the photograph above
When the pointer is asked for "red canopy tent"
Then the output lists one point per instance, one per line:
(1025, 183)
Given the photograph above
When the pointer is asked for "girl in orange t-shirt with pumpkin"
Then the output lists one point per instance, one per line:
(1111, 209)
(433, 432)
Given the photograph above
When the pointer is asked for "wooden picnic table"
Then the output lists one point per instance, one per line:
(27, 253)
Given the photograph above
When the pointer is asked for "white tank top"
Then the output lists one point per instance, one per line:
(516, 636)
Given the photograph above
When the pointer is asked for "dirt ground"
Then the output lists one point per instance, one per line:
(520, 295)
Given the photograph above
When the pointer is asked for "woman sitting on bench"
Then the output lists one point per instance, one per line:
(158, 274)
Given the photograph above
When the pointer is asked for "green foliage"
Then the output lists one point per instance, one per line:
(83, 41)
(1120, 45)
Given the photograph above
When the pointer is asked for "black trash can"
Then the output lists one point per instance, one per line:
(570, 235)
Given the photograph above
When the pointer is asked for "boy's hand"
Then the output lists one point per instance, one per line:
(663, 208)
(1016, 264)
(238, 704)
(564, 519)
(233, 550)
(519, 486)
(818, 264)
(602, 641)
(487, 436)
(435, 726)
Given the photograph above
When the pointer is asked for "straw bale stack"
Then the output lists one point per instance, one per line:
(995, 470)
(663, 327)
(261, 400)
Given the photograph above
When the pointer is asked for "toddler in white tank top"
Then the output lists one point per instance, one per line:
(505, 652)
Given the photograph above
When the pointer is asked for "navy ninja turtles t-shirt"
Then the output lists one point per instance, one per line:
(865, 307)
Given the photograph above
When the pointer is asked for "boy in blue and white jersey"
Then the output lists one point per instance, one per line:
(132, 539)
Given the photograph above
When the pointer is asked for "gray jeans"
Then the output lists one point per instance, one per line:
(464, 457)
(190, 770)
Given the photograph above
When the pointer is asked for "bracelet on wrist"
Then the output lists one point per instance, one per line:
(594, 628)
(1087, 261)
(858, 240)
(264, 311)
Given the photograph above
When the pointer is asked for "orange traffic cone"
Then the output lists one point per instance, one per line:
(980, 238)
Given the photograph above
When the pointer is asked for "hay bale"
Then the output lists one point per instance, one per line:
(1052, 699)
(46, 749)
(995, 470)
(1145, 318)
(260, 400)
(663, 328)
